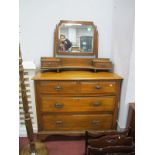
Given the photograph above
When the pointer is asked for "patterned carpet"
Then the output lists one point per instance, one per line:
(60, 147)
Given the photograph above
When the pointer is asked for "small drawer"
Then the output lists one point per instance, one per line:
(77, 104)
(98, 87)
(102, 64)
(50, 63)
(58, 87)
(76, 122)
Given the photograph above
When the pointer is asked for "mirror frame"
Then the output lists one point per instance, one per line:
(95, 40)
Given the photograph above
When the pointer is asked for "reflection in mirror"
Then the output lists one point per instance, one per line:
(75, 38)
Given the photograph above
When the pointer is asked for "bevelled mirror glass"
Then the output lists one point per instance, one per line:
(76, 38)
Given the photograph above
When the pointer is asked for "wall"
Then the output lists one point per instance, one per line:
(38, 19)
(115, 23)
(122, 52)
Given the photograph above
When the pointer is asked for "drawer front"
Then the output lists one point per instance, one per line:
(58, 87)
(50, 63)
(103, 65)
(98, 87)
(76, 122)
(77, 104)
(97, 104)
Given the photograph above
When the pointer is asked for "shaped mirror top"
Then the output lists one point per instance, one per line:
(76, 38)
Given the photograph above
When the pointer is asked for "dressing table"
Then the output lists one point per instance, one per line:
(76, 91)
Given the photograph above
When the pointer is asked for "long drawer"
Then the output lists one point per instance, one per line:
(76, 104)
(76, 122)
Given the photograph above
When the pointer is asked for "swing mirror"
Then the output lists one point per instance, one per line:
(78, 38)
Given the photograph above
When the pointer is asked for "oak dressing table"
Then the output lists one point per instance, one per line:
(75, 90)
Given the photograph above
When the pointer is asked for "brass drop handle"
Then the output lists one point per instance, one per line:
(57, 88)
(96, 104)
(59, 123)
(98, 87)
(95, 122)
(58, 105)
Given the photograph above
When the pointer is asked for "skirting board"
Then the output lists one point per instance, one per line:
(119, 128)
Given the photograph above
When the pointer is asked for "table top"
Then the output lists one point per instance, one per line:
(76, 75)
